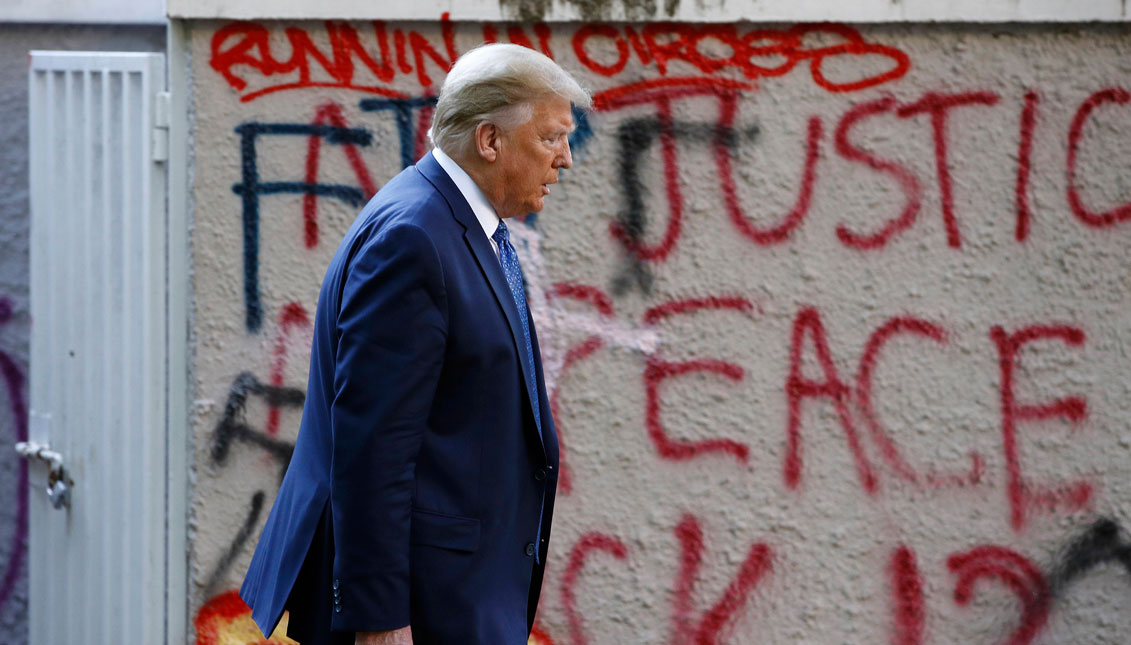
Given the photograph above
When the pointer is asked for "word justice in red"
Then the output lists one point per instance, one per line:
(935, 109)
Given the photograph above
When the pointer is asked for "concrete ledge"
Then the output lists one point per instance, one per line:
(104, 12)
(676, 10)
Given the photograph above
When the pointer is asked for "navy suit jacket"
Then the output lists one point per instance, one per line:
(419, 477)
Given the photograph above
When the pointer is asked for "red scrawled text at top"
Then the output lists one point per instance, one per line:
(754, 53)
(254, 64)
(370, 58)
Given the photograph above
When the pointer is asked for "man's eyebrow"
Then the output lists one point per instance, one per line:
(561, 131)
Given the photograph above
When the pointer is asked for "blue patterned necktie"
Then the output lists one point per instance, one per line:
(509, 259)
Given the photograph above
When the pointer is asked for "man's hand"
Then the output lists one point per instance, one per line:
(402, 636)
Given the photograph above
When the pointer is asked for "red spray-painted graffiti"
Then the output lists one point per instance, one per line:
(243, 47)
(723, 153)
(907, 588)
(332, 114)
(578, 556)
(658, 370)
(906, 598)
(293, 315)
(798, 388)
(864, 404)
(247, 46)
(1024, 160)
(1025, 495)
(712, 623)
(662, 43)
(906, 180)
(636, 135)
(706, 629)
(1086, 215)
(808, 330)
(938, 106)
(1015, 571)
(657, 313)
(1022, 494)
(656, 373)
(243, 54)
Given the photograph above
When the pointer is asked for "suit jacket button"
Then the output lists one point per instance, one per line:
(336, 584)
(540, 474)
(530, 549)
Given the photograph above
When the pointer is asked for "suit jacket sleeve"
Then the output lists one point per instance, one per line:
(391, 332)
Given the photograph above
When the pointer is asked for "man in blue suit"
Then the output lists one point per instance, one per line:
(417, 506)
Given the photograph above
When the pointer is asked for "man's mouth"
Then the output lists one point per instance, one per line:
(545, 189)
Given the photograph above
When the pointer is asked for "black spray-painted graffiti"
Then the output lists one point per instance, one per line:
(233, 427)
(411, 115)
(250, 188)
(635, 138)
(1100, 543)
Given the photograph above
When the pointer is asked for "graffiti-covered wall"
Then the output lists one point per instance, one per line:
(835, 319)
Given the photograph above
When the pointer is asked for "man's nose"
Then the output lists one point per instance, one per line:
(565, 159)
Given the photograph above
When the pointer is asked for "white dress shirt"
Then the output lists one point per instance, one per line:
(482, 208)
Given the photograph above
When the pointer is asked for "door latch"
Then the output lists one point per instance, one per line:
(58, 483)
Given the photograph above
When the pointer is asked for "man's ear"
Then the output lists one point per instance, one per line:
(487, 141)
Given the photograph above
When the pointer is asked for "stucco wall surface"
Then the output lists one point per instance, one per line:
(15, 43)
(835, 319)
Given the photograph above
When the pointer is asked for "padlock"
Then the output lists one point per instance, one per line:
(58, 484)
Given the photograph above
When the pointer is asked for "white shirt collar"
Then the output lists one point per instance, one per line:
(482, 208)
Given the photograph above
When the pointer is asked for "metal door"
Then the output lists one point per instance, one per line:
(99, 568)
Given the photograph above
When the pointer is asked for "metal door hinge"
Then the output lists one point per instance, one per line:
(58, 483)
(161, 126)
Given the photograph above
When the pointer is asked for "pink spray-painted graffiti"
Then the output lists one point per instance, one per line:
(651, 73)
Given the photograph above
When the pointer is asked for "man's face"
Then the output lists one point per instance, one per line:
(530, 156)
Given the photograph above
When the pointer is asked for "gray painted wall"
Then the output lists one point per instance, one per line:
(15, 42)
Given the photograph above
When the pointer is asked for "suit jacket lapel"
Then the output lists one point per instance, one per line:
(547, 427)
(488, 262)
